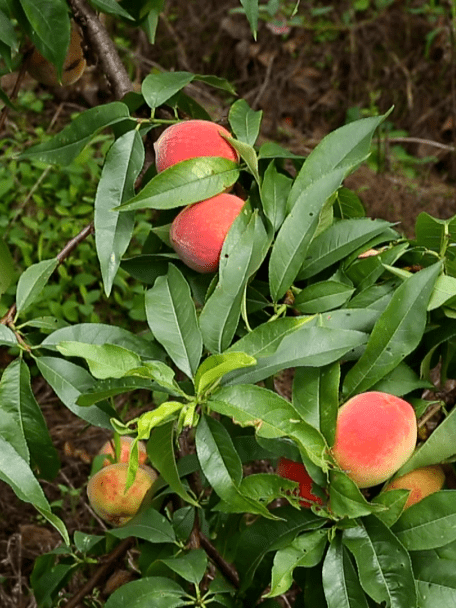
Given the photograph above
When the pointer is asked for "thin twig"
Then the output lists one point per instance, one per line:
(101, 572)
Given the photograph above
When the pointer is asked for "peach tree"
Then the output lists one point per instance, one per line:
(305, 282)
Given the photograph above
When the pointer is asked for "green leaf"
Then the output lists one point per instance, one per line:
(32, 281)
(111, 7)
(293, 239)
(171, 316)
(214, 367)
(435, 580)
(311, 345)
(396, 334)
(439, 446)
(242, 253)
(322, 296)
(149, 525)
(251, 11)
(345, 498)
(345, 148)
(69, 381)
(7, 336)
(271, 416)
(6, 264)
(111, 387)
(429, 523)
(7, 33)
(395, 501)
(189, 181)
(162, 457)
(113, 230)
(23, 423)
(99, 333)
(64, 147)
(50, 24)
(384, 566)
(160, 373)
(217, 82)
(434, 233)
(275, 190)
(340, 580)
(104, 360)
(316, 397)
(245, 122)
(148, 592)
(222, 467)
(304, 551)
(191, 566)
(16, 472)
(444, 290)
(248, 155)
(348, 204)
(400, 381)
(263, 536)
(158, 88)
(338, 241)
(149, 420)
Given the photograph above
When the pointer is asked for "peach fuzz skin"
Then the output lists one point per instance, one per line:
(198, 231)
(125, 447)
(375, 435)
(421, 483)
(107, 496)
(295, 471)
(192, 139)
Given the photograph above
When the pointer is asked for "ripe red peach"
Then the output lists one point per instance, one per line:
(198, 231)
(107, 496)
(421, 482)
(125, 447)
(192, 139)
(295, 471)
(375, 435)
(74, 65)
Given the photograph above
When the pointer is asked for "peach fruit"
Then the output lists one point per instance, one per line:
(107, 496)
(198, 231)
(192, 139)
(375, 435)
(44, 72)
(125, 447)
(289, 469)
(421, 482)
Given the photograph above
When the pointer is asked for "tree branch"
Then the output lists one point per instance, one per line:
(98, 38)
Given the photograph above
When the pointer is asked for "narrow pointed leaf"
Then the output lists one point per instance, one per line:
(104, 360)
(64, 147)
(384, 566)
(345, 148)
(271, 415)
(242, 253)
(7, 336)
(340, 580)
(214, 367)
(171, 316)
(32, 281)
(222, 467)
(113, 230)
(275, 190)
(293, 239)
(429, 523)
(162, 457)
(16, 472)
(6, 265)
(396, 334)
(69, 381)
(245, 122)
(304, 551)
(189, 181)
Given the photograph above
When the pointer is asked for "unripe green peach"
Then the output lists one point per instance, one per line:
(192, 139)
(43, 71)
(296, 471)
(375, 435)
(198, 231)
(125, 448)
(421, 482)
(107, 496)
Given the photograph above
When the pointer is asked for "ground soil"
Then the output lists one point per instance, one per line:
(305, 82)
